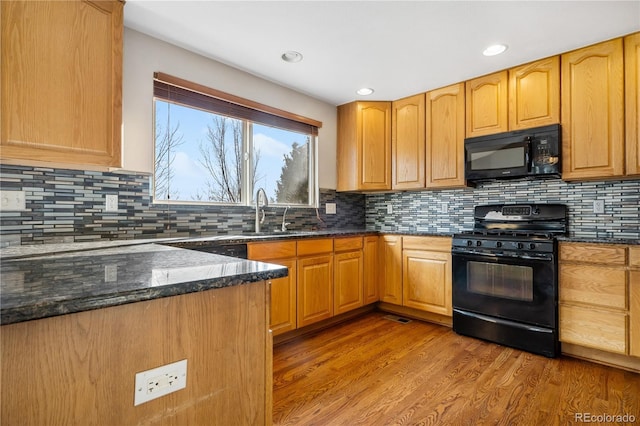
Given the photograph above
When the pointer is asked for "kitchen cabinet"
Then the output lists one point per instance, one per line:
(632, 102)
(593, 144)
(408, 142)
(73, 115)
(348, 274)
(370, 275)
(315, 280)
(283, 298)
(364, 146)
(486, 104)
(445, 132)
(426, 274)
(391, 265)
(534, 94)
(598, 296)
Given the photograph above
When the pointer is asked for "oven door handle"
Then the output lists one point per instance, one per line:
(544, 257)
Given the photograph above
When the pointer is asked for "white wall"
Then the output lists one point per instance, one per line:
(143, 55)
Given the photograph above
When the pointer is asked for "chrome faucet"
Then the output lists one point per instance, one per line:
(260, 194)
(284, 223)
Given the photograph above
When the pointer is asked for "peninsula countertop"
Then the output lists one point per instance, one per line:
(41, 286)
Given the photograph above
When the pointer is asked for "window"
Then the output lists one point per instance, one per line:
(212, 147)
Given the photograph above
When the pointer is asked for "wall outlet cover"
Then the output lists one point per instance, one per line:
(111, 203)
(160, 381)
(330, 208)
(598, 206)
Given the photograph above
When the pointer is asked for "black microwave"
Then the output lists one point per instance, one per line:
(522, 153)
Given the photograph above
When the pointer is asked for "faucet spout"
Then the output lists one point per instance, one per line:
(260, 194)
(284, 219)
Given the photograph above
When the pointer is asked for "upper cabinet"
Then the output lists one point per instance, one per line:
(486, 100)
(632, 98)
(364, 146)
(408, 142)
(534, 94)
(62, 82)
(593, 112)
(445, 137)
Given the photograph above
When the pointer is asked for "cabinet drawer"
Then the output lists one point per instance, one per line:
(272, 250)
(427, 243)
(596, 285)
(316, 246)
(350, 243)
(593, 253)
(605, 330)
(634, 256)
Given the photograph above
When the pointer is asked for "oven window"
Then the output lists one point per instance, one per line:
(498, 159)
(498, 280)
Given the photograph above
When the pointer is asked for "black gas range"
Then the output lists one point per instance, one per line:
(505, 280)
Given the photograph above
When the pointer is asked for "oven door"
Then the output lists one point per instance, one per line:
(519, 288)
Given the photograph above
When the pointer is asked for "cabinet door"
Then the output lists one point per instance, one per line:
(534, 94)
(486, 104)
(593, 112)
(445, 137)
(283, 299)
(348, 288)
(426, 281)
(391, 274)
(408, 142)
(634, 313)
(370, 275)
(632, 102)
(62, 82)
(364, 146)
(315, 289)
(594, 328)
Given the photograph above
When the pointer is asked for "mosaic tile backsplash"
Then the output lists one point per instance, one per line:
(68, 205)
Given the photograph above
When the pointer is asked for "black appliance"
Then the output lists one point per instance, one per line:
(505, 276)
(522, 153)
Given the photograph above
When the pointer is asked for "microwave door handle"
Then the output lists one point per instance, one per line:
(528, 153)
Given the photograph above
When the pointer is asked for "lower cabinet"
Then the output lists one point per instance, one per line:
(599, 300)
(370, 275)
(391, 269)
(348, 274)
(315, 280)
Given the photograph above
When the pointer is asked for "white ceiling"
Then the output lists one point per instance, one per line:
(399, 48)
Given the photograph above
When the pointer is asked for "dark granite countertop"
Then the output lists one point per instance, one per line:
(626, 241)
(55, 284)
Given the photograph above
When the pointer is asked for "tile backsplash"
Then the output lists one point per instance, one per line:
(68, 205)
(450, 211)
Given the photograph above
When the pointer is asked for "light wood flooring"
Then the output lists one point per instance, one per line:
(373, 371)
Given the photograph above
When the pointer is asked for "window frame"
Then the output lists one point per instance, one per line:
(181, 92)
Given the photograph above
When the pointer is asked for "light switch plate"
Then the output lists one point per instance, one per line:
(330, 208)
(13, 200)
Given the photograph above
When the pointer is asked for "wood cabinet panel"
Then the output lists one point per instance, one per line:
(593, 112)
(487, 104)
(315, 289)
(271, 250)
(364, 146)
(595, 285)
(347, 243)
(391, 274)
(632, 102)
(74, 115)
(408, 142)
(445, 133)
(426, 281)
(348, 281)
(427, 243)
(594, 253)
(370, 274)
(534, 94)
(284, 299)
(634, 256)
(315, 246)
(634, 313)
(79, 369)
(593, 328)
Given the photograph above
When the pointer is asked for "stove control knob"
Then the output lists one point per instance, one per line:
(469, 243)
(478, 243)
(520, 245)
(532, 246)
(499, 244)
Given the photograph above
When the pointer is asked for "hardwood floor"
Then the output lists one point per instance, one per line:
(373, 371)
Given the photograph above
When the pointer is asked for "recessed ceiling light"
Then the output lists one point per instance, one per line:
(291, 56)
(365, 91)
(495, 49)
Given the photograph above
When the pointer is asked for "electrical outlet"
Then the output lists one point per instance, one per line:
(110, 273)
(330, 208)
(111, 203)
(161, 381)
(598, 206)
(444, 207)
(389, 208)
(12, 200)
